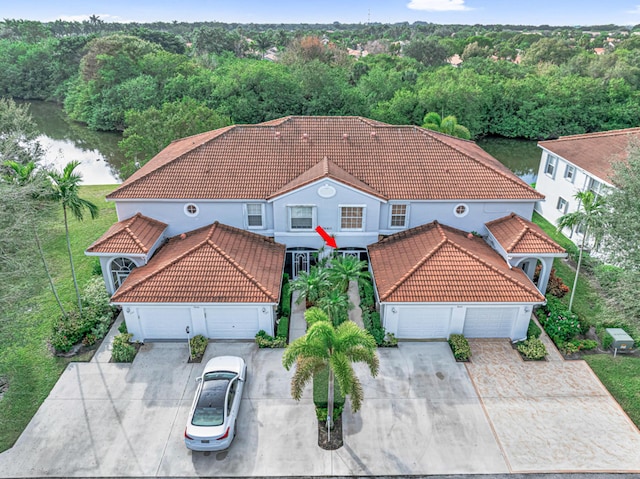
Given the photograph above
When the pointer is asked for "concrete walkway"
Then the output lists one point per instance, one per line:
(297, 323)
(355, 314)
(103, 354)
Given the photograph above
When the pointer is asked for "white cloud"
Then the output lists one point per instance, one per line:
(438, 5)
(105, 17)
(635, 11)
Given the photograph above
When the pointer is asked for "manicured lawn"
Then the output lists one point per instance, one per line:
(621, 376)
(24, 357)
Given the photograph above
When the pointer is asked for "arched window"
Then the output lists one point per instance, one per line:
(120, 269)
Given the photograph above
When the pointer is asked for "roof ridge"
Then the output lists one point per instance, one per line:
(238, 267)
(513, 179)
(520, 235)
(222, 131)
(493, 268)
(136, 240)
(595, 134)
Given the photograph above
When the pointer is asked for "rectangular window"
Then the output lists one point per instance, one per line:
(550, 167)
(595, 187)
(254, 215)
(398, 216)
(570, 173)
(301, 217)
(562, 205)
(351, 217)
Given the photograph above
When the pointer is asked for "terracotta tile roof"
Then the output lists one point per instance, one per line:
(517, 235)
(256, 161)
(594, 152)
(217, 263)
(135, 235)
(436, 263)
(326, 169)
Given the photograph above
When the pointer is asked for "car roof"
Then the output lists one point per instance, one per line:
(225, 363)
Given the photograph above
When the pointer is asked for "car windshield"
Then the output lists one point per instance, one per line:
(210, 407)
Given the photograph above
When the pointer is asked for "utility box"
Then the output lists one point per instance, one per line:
(621, 340)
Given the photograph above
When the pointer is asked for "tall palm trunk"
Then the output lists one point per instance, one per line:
(73, 271)
(46, 269)
(330, 393)
(575, 280)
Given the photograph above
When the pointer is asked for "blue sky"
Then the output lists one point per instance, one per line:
(532, 12)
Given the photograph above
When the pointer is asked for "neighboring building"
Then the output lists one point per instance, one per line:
(209, 225)
(577, 163)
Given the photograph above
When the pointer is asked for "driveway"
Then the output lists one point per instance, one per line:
(551, 416)
(422, 415)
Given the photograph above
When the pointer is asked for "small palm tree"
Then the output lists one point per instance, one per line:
(65, 192)
(325, 346)
(590, 220)
(312, 285)
(343, 269)
(448, 124)
(336, 305)
(23, 175)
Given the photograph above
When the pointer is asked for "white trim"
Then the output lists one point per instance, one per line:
(364, 218)
(245, 209)
(325, 180)
(406, 215)
(116, 254)
(188, 213)
(314, 219)
(464, 213)
(193, 305)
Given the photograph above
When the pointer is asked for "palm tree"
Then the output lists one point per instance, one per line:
(336, 305)
(23, 175)
(65, 191)
(448, 124)
(344, 269)
(590, 220)
(312, 285)
(336, 348)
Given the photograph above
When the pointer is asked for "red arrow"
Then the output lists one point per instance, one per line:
(331, 242)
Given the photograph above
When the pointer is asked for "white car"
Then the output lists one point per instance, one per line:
(212, 420)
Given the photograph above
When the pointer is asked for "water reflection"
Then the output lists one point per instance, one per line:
(64, 140)
(520, 156)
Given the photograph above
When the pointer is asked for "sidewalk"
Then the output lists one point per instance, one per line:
(297, 323)
(103, 354)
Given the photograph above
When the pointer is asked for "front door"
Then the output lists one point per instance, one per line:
(300, 262)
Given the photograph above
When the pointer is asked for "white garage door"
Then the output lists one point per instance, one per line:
(489, 322)
(164, 323)
(232, 323)
(420, 322)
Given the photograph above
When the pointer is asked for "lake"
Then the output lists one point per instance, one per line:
(65, 140)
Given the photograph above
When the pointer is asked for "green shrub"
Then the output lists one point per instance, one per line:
(89, 340)
(588, 344)
(96, 267)
(123, 327)
(570, 347)
(321, 389)
(321, 412)
(532, 349)
(198, 345)
(68, 330)
(606, 339)
(460, 347)
(533, 331)
(284, 308)
(283, 327)
(560, 324)
(123, 351)
(576, 345)
(390, 340)
(95, 297)
(367, 299)
(264, 340)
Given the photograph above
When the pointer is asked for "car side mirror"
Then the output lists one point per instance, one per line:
(199, 379)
